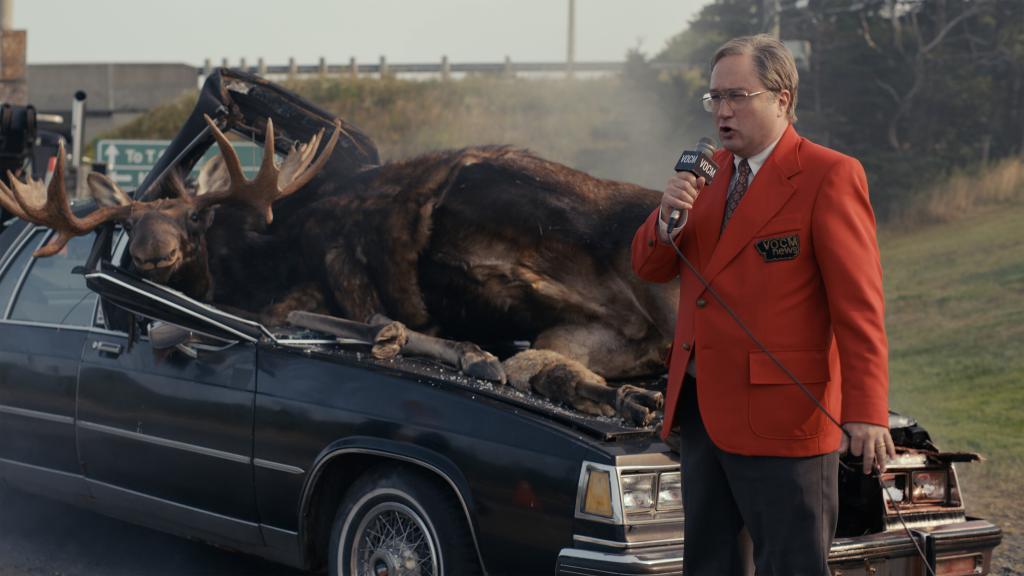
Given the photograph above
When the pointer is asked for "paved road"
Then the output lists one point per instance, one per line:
(39, 537)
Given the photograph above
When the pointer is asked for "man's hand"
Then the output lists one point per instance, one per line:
(680, 193)
(872, 442)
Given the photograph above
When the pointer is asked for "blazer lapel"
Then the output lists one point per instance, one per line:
(769, 191)
(712, 208)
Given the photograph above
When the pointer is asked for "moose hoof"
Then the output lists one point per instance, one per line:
(389, 340)
(649, 398)
(637, 405)
(481, 364)
(486, 369)
(636, 414)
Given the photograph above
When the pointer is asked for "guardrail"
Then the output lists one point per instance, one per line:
(443, 69)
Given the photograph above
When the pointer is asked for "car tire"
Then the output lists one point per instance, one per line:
(399, 521)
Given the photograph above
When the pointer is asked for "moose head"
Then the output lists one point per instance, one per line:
(167, 237)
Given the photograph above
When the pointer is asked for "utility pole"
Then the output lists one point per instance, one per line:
(570, 57)
(6, 14)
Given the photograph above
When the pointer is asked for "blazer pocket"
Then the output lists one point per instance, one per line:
(777, 407)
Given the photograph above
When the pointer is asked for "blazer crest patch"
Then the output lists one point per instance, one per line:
(779, 248)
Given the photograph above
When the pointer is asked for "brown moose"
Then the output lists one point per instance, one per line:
(484, 244)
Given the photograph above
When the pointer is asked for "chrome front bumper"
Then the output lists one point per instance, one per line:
(657, 560)
(893, 553)
(889, 553)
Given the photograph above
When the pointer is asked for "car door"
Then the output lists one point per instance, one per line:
(46, 316)
(165, 435)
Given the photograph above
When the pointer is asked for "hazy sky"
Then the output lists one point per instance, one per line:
(403, 30)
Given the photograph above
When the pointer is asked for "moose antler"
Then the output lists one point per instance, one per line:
(48, 206)
(272, 182)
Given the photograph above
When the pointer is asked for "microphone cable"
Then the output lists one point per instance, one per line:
(877, 471)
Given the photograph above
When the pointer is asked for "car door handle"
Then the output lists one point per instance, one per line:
(107, 348)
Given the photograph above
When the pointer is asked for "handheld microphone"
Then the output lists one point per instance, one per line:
(699, 163)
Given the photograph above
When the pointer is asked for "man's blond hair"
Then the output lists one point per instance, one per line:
(774, 64)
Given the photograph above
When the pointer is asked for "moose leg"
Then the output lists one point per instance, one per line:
(350, 285)
(471, 359)
(467, 356)
(308, 296)
(390, 338)
(563, 379)
(605, 350)
(387, 339)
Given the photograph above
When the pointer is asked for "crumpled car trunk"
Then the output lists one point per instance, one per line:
(245, 101)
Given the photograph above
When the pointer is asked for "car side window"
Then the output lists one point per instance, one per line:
(110, 316)
(12, 273)
(52, 294)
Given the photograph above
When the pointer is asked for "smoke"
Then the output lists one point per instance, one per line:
(627, 127)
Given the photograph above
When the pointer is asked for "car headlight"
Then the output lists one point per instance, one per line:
(929, 486)
(623, 494)
(638, 493)
(670, 491)
(894, 488)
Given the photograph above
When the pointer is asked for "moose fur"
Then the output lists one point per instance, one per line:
(485, 244)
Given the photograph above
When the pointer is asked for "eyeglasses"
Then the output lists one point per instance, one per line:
(736, 98)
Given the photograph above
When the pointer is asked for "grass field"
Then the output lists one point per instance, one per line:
(955, 315)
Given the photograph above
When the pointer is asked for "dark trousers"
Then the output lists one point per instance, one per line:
(788, 505)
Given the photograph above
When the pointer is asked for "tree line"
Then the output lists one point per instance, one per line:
(915, 89)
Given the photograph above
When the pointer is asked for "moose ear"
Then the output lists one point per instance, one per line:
(105, 191)
(214, 176)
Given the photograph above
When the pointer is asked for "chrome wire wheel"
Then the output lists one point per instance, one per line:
(393, 539)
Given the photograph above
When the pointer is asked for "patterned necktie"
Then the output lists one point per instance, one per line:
(736, 192)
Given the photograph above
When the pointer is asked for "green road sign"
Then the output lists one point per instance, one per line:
(128, 161)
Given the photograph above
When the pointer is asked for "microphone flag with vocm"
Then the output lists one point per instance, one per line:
(698, 162)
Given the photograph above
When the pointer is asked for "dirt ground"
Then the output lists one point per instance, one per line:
(997, 500)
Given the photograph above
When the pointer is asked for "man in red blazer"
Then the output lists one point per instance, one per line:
(785, 235)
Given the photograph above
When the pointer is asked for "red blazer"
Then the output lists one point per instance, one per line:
(799, 264)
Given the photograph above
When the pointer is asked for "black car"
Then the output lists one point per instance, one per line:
(129, 398)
